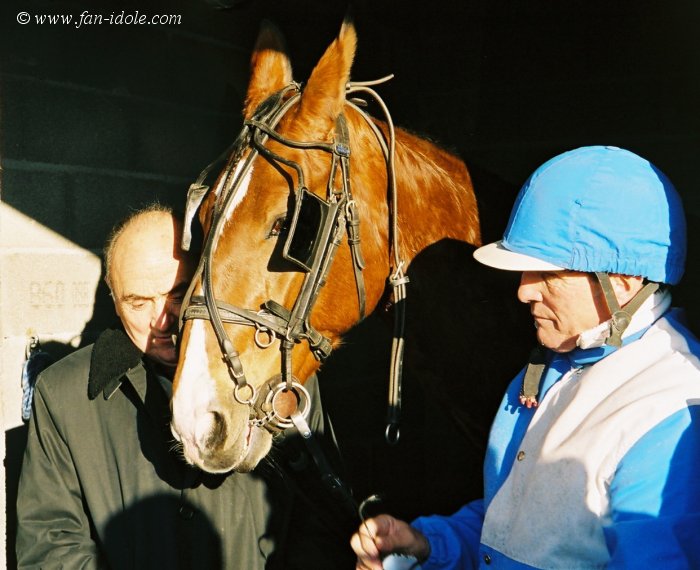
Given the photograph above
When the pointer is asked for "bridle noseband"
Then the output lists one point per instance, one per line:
(335, 215)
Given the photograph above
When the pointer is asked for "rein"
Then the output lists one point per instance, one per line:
(338, 214)
(397, 279)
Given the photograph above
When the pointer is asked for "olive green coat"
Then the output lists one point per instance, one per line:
(101, 486)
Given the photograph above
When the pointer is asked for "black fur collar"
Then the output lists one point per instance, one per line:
(112, 356)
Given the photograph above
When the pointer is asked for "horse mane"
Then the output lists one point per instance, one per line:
(436, 184)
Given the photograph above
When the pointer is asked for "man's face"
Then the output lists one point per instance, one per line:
(148, 284)
(564, 304)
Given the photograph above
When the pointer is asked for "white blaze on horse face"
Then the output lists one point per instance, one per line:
(195, 393)
(195, 399)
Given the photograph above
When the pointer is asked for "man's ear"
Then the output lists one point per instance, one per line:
(626, 287)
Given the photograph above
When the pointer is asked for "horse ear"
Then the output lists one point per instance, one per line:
(324, 94)
(270, 68)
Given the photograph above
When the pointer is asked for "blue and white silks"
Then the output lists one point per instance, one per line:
(605, 473)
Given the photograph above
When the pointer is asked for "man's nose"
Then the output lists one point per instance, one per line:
(529, 289)
(163, 315)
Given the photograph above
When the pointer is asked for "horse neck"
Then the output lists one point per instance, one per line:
(436, 198)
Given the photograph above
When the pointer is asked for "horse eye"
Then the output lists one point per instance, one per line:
(278, 226)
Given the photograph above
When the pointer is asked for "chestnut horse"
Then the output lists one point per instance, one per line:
(317, 207)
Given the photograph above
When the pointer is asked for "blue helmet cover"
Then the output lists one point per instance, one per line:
(601, 208)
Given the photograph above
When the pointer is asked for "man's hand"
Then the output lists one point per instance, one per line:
(382, 535)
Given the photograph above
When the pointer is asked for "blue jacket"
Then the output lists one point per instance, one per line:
(605, 473)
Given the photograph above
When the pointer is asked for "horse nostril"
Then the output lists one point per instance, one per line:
(217, 434)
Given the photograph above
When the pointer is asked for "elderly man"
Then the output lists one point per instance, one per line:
(594, 454)
(102, 484)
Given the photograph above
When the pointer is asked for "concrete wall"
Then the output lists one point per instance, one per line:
(98, 119)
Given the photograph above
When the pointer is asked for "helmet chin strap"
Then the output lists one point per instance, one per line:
(621, 317)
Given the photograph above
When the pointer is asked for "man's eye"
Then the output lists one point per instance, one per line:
(279, 226)
(137, 305)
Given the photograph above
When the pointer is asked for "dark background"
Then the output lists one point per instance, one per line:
(101, 119)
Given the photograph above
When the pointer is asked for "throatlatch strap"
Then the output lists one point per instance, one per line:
(531, 381)
(621, 318)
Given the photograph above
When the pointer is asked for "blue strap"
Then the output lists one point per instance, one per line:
(35, 362)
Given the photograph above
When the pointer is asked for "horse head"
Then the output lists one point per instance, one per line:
(298, 247)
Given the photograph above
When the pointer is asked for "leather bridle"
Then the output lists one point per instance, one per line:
(340, 216)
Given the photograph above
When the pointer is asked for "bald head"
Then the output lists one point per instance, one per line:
(148, 275)
(143, 224)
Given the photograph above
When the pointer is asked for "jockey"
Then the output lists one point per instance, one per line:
(594, 455)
